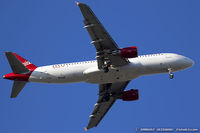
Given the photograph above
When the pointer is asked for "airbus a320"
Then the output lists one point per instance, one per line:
(113, 68)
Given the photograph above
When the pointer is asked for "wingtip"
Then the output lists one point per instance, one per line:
(77, 3)
(7, 52)
(12, 96)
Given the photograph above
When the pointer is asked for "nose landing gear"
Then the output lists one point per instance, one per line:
(171, 75)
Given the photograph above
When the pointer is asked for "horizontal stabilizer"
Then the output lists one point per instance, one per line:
(17, 87)
(15, 64)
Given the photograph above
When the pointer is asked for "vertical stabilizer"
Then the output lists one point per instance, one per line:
(26, 63)
(15, 64)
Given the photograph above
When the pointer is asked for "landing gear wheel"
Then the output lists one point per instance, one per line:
(171, 76)
(105, 69)
(106, 65)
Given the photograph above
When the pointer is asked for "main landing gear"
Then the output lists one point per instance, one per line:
(106, 66)
(171, 75)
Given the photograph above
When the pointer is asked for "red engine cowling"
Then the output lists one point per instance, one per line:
(129, 52)
(130, 95)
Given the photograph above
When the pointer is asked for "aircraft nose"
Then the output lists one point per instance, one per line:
(188, 62)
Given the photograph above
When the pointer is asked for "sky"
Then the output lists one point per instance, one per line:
(51, 31)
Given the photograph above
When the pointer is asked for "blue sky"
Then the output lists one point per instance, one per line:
(48, 32)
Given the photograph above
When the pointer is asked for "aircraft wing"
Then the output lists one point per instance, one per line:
(102, 41)
(108, 94)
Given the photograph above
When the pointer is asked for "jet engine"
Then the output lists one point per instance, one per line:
(130, 95)
(129, 52)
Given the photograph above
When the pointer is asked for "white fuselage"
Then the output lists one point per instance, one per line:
(88, 71)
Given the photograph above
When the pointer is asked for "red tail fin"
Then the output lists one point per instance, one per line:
(26, 63)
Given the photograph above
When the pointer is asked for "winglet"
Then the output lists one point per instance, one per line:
(77, 3)
(86, 129)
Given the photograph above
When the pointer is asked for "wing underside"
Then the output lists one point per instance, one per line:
(104, 44)
(108, 94)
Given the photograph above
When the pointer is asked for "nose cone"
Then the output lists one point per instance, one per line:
(181, 62)
(188, 62)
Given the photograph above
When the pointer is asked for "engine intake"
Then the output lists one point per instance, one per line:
(130, 95)
(129, 52)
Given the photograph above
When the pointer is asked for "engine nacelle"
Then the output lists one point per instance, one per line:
(129, 52)
(130, 95)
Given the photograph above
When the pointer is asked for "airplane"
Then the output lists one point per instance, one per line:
(113, 68)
